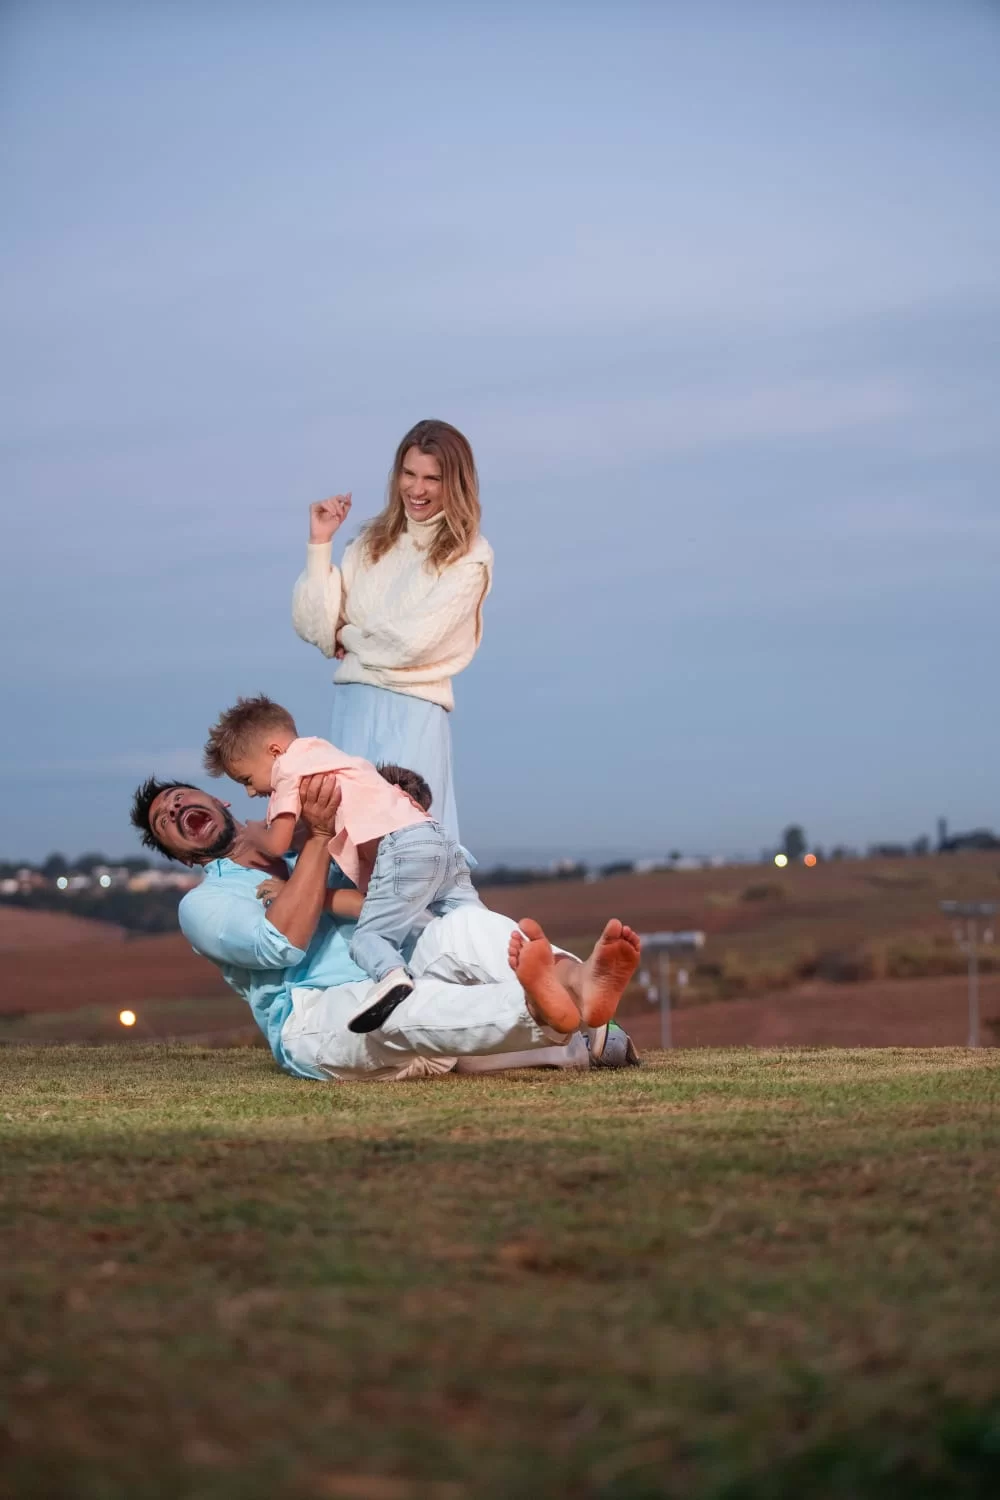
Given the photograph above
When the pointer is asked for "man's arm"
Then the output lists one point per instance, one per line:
(296, 910)
(342, 902)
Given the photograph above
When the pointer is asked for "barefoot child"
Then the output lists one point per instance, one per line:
(388, 845)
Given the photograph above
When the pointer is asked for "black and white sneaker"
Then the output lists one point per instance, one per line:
(381, 1001)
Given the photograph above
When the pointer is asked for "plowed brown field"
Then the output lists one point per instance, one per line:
(51, 964)
(40, 931)
(886, 1013)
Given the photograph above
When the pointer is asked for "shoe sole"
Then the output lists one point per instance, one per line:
(379, 1013)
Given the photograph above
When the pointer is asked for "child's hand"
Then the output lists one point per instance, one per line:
(327, 516)
(268, 889)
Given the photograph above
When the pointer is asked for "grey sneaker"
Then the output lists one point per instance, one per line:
(611, 1047)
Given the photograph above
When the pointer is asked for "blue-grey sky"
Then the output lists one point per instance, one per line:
(714, 289)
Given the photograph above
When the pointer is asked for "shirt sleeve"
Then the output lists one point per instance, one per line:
(231, 927)
(284, 796)
(423, 638)
(316, 599)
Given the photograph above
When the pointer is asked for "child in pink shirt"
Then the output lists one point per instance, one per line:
(403, 861)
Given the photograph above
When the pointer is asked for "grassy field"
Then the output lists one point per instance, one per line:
(748, 1276)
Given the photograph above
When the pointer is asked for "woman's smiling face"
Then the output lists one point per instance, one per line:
(420, 485)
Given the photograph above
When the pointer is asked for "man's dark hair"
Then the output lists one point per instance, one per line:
(411, 782)
(145, 796)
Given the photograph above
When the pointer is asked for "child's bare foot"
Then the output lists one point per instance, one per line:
(607, 972)
(531, 957)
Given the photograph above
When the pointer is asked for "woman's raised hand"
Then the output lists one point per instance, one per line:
(327, 516)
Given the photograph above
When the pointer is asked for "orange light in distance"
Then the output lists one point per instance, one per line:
(809, 859)
(127, 1017)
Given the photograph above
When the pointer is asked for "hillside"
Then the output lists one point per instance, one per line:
(43, 931)
(781, 950)
(767, 929)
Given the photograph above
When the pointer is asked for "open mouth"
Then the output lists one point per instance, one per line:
(196, 822)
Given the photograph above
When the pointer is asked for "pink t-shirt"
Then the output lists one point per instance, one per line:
(370, 807)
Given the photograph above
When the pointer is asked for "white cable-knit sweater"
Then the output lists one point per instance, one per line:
(403, 625)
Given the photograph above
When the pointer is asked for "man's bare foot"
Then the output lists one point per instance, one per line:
(607, 972)
(531, 957)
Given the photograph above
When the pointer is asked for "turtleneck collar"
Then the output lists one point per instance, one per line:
(424, 532)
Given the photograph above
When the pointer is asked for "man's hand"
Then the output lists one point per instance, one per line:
(319, 798)
(268, 889)
(327, 516)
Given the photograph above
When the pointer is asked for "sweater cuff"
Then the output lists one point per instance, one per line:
(318, 558)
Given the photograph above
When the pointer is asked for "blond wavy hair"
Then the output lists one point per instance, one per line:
(460, 490)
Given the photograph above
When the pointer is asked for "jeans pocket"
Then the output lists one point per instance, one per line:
(416, 876)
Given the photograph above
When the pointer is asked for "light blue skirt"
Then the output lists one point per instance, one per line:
(380, 726)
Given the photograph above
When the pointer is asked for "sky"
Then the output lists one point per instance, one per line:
(714, 291)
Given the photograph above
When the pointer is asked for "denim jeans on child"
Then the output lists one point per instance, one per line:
(417, 869)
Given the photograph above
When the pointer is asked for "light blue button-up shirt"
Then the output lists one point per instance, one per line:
(223, 921)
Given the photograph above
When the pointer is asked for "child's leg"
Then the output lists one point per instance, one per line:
(407, 873)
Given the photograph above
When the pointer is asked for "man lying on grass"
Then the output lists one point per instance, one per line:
(484, 988)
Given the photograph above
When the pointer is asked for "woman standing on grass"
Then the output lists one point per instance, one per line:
(403, 612)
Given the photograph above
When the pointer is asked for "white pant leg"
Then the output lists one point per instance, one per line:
(438, 1019)
(465, 946)
(575, 1054)
(469, 946)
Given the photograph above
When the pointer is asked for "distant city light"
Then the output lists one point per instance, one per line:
(809, 859)
(781, 860)
(62, 883)
(106, 881)
(127, 1017)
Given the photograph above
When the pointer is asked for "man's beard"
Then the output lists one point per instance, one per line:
(226, 839)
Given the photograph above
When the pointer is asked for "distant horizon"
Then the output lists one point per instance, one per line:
(538, 857)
